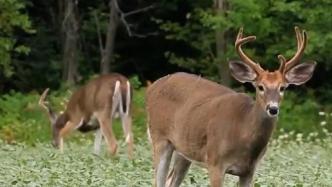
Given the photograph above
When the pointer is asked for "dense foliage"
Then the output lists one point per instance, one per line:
(184, 38)
(13, 21)
(170, 35)
(286, 164)
(271, 21)
(23, 120)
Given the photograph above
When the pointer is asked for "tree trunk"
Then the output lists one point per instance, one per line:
(108, 51)
(221, 45)
(70, 47)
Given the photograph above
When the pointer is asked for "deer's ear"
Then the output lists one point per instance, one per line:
(242, 72)
(300, 74)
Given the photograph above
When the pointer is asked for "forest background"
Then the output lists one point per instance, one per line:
(61, 44)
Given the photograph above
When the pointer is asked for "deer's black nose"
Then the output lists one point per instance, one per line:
(272, 110)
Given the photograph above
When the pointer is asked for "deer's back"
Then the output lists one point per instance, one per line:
(181, 87)
(96, 95)
(183, 108)
(170, 95)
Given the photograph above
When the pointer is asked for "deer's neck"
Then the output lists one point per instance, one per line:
(261, 122)
(259, 130)
(261, 127)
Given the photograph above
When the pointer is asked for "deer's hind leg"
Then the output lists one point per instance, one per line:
(127, 130)
(126, 120)
(162, 155)
(179, 170)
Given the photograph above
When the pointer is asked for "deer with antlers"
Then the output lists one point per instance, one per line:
(225, 131)
(102, 98)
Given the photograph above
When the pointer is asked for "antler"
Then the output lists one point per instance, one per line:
(238, 43)
(301, 44)
(44, 104)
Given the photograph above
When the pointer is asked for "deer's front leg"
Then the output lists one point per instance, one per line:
(246, 180)
(62, 132)
(216, 175)
(106, 128)
(97, 143)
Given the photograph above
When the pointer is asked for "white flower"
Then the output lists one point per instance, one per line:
(321, 113)
(312, 134)
(299, 135)
(188, 15)
(323, 123)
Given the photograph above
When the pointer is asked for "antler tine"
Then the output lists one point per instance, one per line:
(51, 115)
(301, 44)
(238, 44)
(42, 98)
(282, 61)
(299, 38)
(239, 34)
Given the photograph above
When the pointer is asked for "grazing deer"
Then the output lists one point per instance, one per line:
(225, 131)
(101, 98)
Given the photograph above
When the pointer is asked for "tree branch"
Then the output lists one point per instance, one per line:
(123, 16)
(138, 10)
(100, 41)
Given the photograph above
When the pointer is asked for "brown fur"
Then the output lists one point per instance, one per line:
(94, 98)
(208, 123)
(196, 117)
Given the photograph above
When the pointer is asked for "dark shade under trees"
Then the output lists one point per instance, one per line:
(44, 43)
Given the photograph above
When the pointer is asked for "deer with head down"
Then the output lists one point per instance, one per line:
(101, 98)
(222, 130)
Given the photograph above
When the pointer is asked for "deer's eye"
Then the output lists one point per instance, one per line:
(260, 88)
(282, 88)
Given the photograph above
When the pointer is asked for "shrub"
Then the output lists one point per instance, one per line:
(302, 114)
(22, 119)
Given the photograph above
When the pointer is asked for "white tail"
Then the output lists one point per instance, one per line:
(126, 117)
(128, 97)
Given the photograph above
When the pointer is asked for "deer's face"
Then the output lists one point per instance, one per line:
(270, 86)
(59, 123)
(270, 89)
(55, 139)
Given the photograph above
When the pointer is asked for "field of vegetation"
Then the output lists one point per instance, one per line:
(287, 163)
(61, 44)
(300, 157)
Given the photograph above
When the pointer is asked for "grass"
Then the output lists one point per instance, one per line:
(299, 155)
(287, 163)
